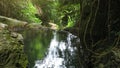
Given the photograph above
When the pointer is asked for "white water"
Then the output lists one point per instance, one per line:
(56, 55)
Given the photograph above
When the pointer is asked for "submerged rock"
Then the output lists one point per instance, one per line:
(11, 50)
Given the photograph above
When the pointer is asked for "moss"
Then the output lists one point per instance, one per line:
(11, 51)
(19, 9)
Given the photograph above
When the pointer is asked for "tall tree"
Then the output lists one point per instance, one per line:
(99, 31)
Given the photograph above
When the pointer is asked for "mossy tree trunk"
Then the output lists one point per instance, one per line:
(99, 26)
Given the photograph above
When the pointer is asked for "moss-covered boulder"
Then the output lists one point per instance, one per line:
(11, 50)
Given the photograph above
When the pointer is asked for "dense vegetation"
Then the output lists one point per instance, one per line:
(22, 10)
(63, 13)
(95, 22)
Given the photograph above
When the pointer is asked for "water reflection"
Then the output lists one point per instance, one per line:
(36, 44)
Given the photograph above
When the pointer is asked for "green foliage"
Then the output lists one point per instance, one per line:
(19, 9)
(29, 13)
(45, 9)
(65, 15)
(70, 22)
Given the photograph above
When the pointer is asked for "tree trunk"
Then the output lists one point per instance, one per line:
(98, 26)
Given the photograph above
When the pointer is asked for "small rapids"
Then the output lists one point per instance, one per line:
(61, 53)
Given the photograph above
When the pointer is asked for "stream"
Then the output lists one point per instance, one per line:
(52, 49)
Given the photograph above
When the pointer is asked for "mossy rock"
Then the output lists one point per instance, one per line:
(11, 51)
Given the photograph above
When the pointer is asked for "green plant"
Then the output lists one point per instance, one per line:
(69, 14)
(70, 22)
(29, 12)
(19, 9)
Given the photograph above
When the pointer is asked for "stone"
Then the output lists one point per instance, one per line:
(11, 50)
(2, 26)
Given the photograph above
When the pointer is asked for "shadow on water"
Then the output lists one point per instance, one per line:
(52, 49)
